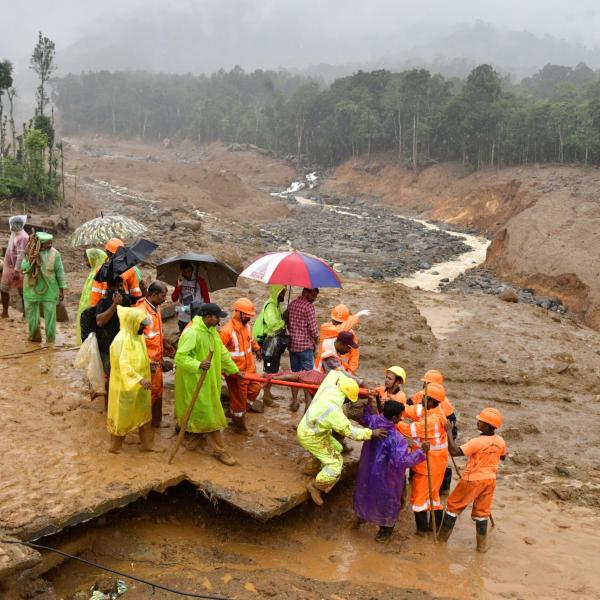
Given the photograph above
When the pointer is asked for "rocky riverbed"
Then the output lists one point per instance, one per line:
(483, 280)
(360, 238)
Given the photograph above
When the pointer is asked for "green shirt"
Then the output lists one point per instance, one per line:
(50, 280)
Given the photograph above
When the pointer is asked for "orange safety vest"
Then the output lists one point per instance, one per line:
(153, 333)
(436, 432)
(131, 283)
(238, 339)
(328, 331)
(385, 395)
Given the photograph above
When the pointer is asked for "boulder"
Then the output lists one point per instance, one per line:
(508, 295)
(193, 224)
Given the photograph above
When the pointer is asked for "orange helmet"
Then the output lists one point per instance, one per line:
(244, 306)
(433, 376)
(340, 313)
(435, 391)
(113, 245)
(491, 416)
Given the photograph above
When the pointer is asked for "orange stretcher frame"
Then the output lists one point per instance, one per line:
(362, 392)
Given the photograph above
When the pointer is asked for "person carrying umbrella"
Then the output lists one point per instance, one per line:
(236, 334)
(189, 289)
(44, 285)
(94, 258)
(12, 276)
(195, 344)
(268, 327)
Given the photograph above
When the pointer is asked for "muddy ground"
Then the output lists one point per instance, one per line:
(538, 367)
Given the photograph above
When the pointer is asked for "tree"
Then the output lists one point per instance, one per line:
(35, 144)
(42, 62)
(6, 81)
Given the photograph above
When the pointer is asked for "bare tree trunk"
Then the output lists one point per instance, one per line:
(11, 95)
(414, 142)
(492, 157)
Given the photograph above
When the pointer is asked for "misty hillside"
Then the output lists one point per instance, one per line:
(194, 41)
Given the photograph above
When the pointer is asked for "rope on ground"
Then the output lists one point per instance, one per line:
(153, 585)
(41, 349)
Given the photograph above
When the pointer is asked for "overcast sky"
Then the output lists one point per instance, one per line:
(67, 21)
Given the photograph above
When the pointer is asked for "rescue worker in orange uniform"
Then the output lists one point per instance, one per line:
(342, 320)
(395, 377)
(237, 337)
(434, 376)
(478, 481)
(438, 456)
(131, 278)
(156, 344)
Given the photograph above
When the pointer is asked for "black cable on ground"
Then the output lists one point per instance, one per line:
(157, 586)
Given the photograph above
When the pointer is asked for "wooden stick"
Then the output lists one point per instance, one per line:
(431, 509)
(460, 475)
(190, 407)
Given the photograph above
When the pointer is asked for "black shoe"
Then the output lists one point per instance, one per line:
(384, 534)
(421, 522)
(446, 529)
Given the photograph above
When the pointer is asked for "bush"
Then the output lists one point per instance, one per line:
(11, 187)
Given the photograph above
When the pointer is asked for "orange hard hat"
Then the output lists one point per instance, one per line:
(435, 391)
(433, 376)
(491, 416)
(113, 245)
(340, 313)
(245, 306)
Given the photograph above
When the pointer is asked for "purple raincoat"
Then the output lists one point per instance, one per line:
(382, 473)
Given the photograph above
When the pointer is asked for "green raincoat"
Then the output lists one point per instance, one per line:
(194, 345)
(324, 416)
(129, 404)
(44, 294)
(96, 258)
(270, 319)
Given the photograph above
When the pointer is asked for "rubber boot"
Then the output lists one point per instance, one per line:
(447, 480)
(439, 516)
(481, 529)
(446, 529)
(314, 492)
(421, 522)
(384, 535)
(239, 424)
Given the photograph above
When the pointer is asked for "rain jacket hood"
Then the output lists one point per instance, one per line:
(130, 320)
(275, 290)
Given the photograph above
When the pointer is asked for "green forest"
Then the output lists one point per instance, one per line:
(553, 116)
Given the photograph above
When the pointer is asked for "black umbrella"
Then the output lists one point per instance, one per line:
(217, 274)
(125, 258)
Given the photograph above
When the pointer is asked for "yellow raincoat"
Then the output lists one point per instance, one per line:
(129, 404)
(96, 258)
(323, 417)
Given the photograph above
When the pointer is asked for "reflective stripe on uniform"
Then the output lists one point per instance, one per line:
(422, 507)
(99, 290)
(237, 353)
(315, 425)
(135, 291)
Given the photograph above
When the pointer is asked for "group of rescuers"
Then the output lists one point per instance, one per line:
(394, 430)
